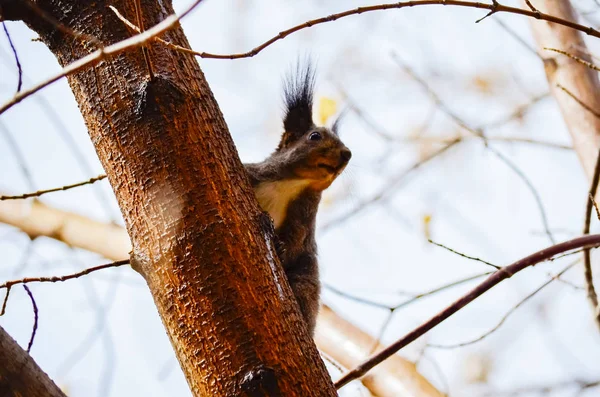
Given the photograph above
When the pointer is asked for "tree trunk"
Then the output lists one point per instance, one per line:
(580, 80)
(20, 375)
(335, 337)
(198, 236)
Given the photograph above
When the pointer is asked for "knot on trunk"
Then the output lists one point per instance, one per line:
(260, 381)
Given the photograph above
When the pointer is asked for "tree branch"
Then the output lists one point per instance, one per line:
(566, 71)
(95, 57)
(113, 243)
(168, 23)
(56, 189)
(19, 373)
(497, 277)
(574, 83)
(587, 262)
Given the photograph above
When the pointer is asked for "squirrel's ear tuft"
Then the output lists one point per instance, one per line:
(298, 94)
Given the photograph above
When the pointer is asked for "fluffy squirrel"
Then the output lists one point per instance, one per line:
(288, 185)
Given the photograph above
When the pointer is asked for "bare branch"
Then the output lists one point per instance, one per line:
(5, 302)
(578, 77)
(464, 255)
(171, 20)
(414, 298)
(56, 189)
(579, 101)
(587, 263)
(60, 26)
(19, 373)
(348, 345)
(532, 189)
(37, 219)
(595, 206)
(478, 132)
(98, 55)
(575, 58)
(17, 61)
(497, 277)
(35, 318)
(494, 8)
(54, 279)
(511, 311)
(16, 151)
(535, 10)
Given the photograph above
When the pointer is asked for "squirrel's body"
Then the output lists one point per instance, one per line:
(288, 185)
(293, 209)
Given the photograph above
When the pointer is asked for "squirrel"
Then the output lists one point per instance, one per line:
(288, 185)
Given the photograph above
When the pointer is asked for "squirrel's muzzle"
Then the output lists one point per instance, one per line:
(346, 155)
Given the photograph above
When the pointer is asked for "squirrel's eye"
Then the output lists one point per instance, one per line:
(315, 136)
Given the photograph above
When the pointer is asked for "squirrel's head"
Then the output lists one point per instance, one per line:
(312, 153)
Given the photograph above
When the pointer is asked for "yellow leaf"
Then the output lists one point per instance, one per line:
(327, 108)
(427, 226)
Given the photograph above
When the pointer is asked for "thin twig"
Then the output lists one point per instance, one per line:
(579, 101)
(355, 298)
(54, 279)
(478, 132)
(464, 255)
(595, 206)
(497, 277)
(511, 311)
(100, 54)
(535, 10)
(35, 318)
(587, 262)
(494, 7)
(413, 297)
(56, 189)
(62, 27)
(532, 189)
(18, 153)
(575, 58)
(5, 301)
(14, 50)
(382, 331)
(172, 20)
(516, 36)
(518, 113)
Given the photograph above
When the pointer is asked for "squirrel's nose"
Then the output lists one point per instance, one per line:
(346, 154)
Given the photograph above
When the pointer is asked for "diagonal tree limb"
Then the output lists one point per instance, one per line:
(494, 279)
(575, 86)
(580, 80)
(19, 373)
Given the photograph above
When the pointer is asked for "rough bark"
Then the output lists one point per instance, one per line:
(197, 234)
(335, 337)
(580, 80)
(20, 375)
